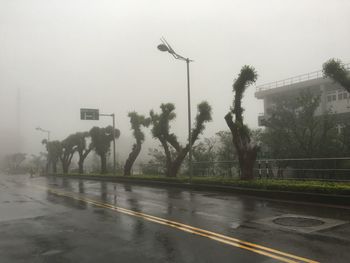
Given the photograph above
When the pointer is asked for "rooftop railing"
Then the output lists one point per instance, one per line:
(293, 80)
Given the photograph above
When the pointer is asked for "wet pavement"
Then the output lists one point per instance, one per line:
(69, 220)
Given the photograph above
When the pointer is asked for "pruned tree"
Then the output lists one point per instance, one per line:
(69, 146)
(101, 139)
(161, 131)
(336, 70)
(83, 148)
(137, 121)
(246, 148)
(54, 150)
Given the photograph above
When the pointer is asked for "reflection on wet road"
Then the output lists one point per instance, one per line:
(79, 220)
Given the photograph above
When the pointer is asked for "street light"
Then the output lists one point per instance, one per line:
(43, 130)
(165, 47)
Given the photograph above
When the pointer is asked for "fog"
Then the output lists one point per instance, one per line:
(62, 55)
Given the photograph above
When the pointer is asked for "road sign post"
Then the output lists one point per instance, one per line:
(94, 114)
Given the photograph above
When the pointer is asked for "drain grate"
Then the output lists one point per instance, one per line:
(298, 221)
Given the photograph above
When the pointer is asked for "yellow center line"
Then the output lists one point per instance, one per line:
(269, 252)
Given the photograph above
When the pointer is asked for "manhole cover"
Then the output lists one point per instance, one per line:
(298, 221)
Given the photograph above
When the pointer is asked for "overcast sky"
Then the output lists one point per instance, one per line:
(67, 54)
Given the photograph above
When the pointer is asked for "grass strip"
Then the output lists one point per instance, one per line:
(305, 186)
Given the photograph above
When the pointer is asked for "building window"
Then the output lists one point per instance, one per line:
(340, 96)
(345, 95)
(331, 97)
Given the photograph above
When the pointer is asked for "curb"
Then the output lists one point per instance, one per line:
(343, 200)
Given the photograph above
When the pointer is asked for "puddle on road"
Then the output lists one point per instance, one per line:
(51, 252)
(235, 225)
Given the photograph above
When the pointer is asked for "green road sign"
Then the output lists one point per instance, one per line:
(89, 114)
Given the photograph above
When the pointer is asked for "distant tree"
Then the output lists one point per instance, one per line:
(17, 159)
(12, 162)
(344, 139)
(204, 156)
(157, 163)
(94, 163)
(101, 139)
(54, 150)
(37, 161)
(225, 153)
(246, 148)
(137, 121)
(161, 131)
(226, 150)
(336, 70)
(295, 131)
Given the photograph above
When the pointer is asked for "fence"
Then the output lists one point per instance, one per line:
(330, 169)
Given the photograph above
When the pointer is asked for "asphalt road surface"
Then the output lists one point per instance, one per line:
(69, 220)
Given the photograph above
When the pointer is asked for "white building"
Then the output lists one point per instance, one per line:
(332, 96)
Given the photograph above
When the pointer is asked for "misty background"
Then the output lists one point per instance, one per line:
(59, 56)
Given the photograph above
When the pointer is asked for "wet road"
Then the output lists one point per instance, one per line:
(69, 220)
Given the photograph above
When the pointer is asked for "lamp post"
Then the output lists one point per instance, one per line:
(165, 47)
(46, 131)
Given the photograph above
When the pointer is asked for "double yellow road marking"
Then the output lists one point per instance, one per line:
(262, 250)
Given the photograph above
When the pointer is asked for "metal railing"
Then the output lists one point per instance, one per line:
(293, 80)
(328, 169)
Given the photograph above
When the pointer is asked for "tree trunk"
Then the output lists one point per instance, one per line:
(65, 168)
(66, 161)
(81, 166)
(103, 164)
(174, 167)
(246, 158)
(247, 166)
(168, 169)
(47, 167)
(82, 157)
(54, 167)
(131, 159)
(246, 151)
